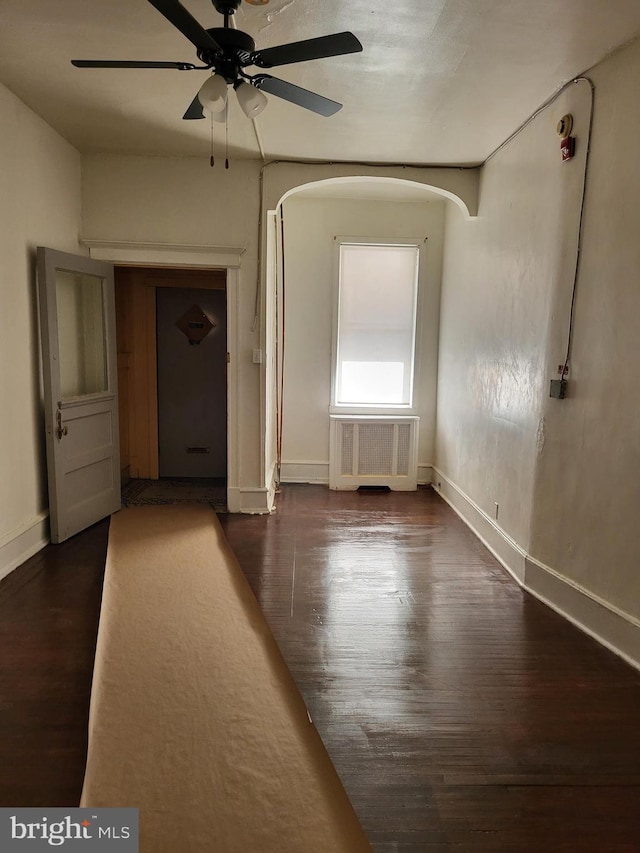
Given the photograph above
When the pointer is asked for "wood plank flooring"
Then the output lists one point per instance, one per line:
(49, 610)
(461, 713)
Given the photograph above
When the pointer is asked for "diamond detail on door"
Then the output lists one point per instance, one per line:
(195, 324)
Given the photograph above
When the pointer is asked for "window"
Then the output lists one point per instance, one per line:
(376, 324)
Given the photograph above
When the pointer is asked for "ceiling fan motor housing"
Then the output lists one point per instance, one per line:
(236, 49)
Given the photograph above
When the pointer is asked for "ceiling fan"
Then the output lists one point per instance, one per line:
(228, 51)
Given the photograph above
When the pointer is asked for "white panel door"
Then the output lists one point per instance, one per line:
(77, 322)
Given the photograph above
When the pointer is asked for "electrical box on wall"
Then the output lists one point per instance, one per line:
(558, 389)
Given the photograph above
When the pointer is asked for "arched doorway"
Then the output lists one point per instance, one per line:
(300, 301)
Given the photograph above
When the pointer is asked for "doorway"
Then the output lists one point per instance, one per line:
(147, 399)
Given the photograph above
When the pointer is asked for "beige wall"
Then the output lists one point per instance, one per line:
(185, 201)
(310, 227)
(503, 274)
(587, 489)
(564, 473)
(39, 205)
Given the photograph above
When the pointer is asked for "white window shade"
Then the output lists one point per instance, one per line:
(376, 324)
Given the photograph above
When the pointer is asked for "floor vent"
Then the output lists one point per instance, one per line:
(373, 451)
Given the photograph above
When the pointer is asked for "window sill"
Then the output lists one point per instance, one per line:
(373, 411)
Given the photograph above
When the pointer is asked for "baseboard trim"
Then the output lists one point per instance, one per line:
(233, 499)
(17, 546)
(425, 473)
(317, 473)
(304, 471)
(617, 631)
(252, 501)
(505, 549)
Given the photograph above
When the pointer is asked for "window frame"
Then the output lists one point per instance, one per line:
(377, 409)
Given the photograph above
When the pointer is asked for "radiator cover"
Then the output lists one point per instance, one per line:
(373, 450)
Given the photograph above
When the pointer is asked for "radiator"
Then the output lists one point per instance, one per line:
(373, 451)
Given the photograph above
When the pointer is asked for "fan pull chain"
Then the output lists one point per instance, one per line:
(226, 138)
(212, 159)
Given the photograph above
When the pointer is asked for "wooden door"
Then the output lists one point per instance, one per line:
(77, 320)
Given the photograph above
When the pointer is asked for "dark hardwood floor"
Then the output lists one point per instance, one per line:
(461, 713)
(49, 610)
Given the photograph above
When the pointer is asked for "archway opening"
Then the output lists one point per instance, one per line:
(300, 303)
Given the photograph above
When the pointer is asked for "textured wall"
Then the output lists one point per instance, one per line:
(587, 490)
(563, 472)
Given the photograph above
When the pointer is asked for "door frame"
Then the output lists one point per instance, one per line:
(160, 256)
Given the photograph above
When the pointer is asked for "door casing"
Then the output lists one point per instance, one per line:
(192, 257)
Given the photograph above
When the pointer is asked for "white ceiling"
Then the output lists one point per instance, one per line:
(438, 82)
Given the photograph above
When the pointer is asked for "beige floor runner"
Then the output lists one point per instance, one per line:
(195, 718)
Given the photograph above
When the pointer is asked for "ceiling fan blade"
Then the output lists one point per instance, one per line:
(176, 14)
(300, 51)
(296, 95)
(195, 110)
(108, 63)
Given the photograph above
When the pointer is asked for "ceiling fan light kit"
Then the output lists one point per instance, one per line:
(213, 94)
(251, 100)
(228, 51)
